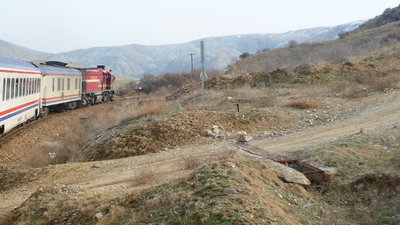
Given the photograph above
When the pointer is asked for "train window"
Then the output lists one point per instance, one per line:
(8, 89)
(20, 87)
(28, 83)
(25, 86)
(39, 85)
(12, 87)
(58, 84)
(33, 85)
(63, 83)
(68, 84)
(30, 86)
(53, 85)
(16, 87)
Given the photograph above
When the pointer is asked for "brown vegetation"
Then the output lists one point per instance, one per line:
(75, 137)
(302, 103)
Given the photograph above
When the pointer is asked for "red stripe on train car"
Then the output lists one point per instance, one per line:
(18, 107)
(14, 71)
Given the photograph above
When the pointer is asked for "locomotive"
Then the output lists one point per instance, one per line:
(29, 90)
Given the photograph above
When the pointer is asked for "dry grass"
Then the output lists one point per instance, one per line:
(144, 178)
(77, 135)
(191, 163)
(302, 103)
(349, 89)
(226, 99)
(390, 81)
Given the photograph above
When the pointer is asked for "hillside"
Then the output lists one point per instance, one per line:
(388, 16)
(16, 51)
(361, 43)
(137, 60)
(376, 35)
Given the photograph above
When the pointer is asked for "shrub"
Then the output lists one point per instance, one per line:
(302, 103)
(191, 163)
(350, 89)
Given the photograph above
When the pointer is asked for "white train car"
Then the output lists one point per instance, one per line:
(20, 85)
(61, 87)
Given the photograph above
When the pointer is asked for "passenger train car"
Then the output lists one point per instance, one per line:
(62, 87)
(20, 84)
(29, 91)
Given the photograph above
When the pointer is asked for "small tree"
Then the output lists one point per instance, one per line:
(244, 55)
(292, 43)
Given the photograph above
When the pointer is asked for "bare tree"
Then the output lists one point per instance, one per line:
(292, 43)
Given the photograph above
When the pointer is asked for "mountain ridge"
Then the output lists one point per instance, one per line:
(135, 60)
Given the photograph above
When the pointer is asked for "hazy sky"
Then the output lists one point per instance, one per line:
(64, 25)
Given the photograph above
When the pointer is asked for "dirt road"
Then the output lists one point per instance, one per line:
(378, 116)
(122, 174)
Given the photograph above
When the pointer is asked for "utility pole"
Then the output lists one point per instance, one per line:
(202, 75)
(191, 62)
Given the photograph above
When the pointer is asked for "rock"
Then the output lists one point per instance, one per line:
(242, 133)
(288, 174)
(52, 155)
(99, 215)
(244, 138)
(97, 166)
(215, 129)
(229, 191)
(229, 98)
(206, 133)
(267, 133)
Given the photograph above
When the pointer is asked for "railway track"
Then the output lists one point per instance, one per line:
(15, 130)
(21, 127)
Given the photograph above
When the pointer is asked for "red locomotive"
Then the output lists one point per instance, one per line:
(97, 85)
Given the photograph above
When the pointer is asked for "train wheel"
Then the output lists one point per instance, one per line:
(44, 112)
(83, 102)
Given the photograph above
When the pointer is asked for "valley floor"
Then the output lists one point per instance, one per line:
(114, 178)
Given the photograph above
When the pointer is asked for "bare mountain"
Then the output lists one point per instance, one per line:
(16, 51)
(378, 34)
(137, 60)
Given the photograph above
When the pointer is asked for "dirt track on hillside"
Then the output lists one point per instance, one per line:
(122, 174)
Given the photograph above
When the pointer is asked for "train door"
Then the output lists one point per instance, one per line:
(62, 88)
(104, 83)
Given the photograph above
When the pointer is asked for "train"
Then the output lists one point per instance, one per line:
(30, 90)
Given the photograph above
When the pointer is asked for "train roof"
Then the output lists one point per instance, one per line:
(15, 64)
(58, 70)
